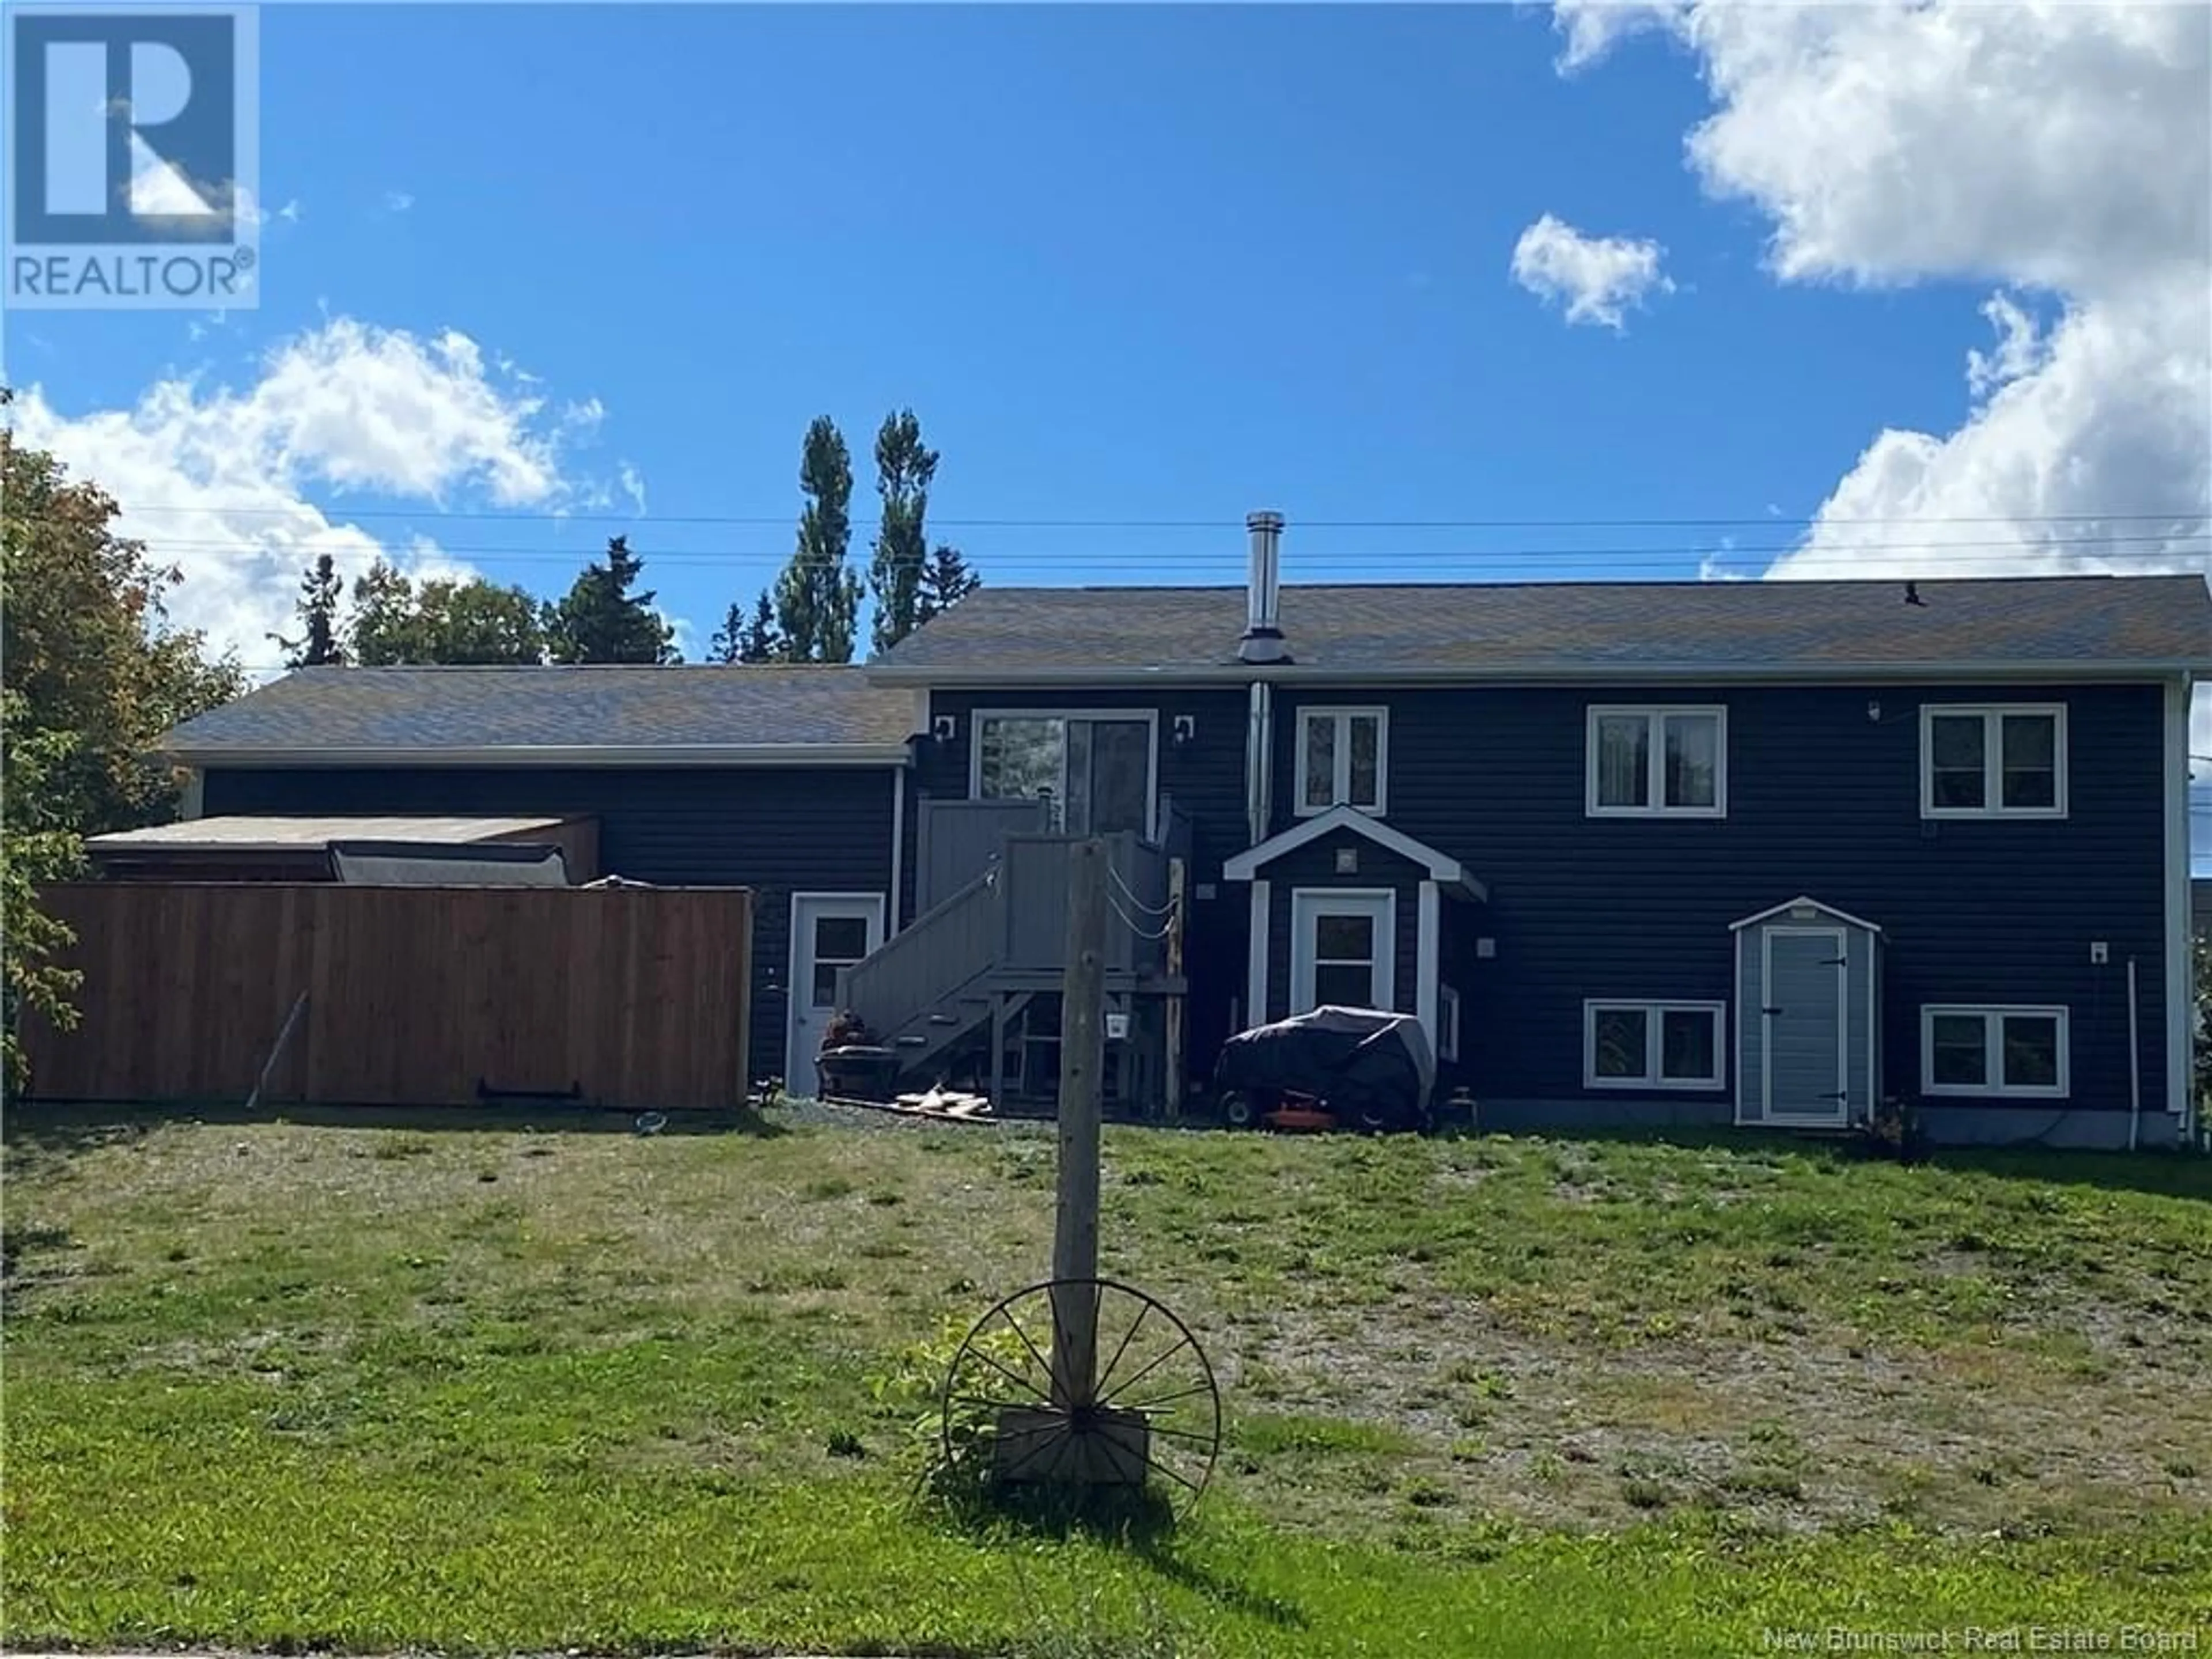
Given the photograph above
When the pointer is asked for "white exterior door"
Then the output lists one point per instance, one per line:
(829, 931)
(1343, 948)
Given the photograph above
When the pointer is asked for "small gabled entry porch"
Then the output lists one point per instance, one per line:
(1349, 911)
(1807, 1016)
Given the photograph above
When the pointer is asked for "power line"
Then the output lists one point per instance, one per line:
(2195, 514)
(2117, 547)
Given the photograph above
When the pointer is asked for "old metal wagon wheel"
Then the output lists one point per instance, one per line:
(1008, 1417)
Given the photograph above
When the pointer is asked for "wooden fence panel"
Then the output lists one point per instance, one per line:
(416, 995)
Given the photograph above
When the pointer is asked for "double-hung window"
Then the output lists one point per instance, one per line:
(1342, 759)
(1652, 1045)
(2001, 760)
(1657, 762)
(1993, 1051)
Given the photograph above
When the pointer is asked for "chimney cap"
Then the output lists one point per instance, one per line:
(1266, 518)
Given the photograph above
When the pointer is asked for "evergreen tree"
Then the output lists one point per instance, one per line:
(817, 600)
(320, 589)
(600, 619)
(742, 639)
(904, 469)
(472, 622)
(946, 581)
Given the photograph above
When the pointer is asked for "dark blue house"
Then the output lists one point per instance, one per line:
(1762, 853)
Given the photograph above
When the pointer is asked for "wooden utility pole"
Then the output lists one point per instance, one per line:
(1082, 1065)
(1178, 876)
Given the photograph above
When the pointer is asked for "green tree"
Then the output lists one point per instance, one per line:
(742, 639)
(817, 600)
(94, 676)
(946, 581)
(320, 589)
(600, 619)
(904, 469)
(472, 622)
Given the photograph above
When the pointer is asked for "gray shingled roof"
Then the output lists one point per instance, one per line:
(1550, 627)
(426, 710)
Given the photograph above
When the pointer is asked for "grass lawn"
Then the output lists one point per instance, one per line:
(276, 1385)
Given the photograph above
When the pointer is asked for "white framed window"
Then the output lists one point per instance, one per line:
(1994, 1050)
(1447, 1022)
(1094, 768)
(1993, 760)
(1343, 948)
(1343, 759)
(1657, 762)
(1652, 1045)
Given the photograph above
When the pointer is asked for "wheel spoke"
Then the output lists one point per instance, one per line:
(1158, 1400)
(1149, 1366)
(1154, 1462)
(1191, 1435)
(1127, 1336)
(1014, 1377)
(986, 1401)
(1043, 1364)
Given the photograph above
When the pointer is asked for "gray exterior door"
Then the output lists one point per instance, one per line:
(1804, 1080)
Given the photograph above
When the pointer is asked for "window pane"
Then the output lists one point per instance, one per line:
(1021, 758)
(1692, 760)
(1321, 761)
(2030, 760)
(1956, 747)
(1120, 777)
(1623, 760)
(1958, 1053)
(1686, 1048)
(841, 938)
(825, 983)
(2031, 1051)
(1344, 987)
(1366, 758)
(1618, 1037)
(1344, 938)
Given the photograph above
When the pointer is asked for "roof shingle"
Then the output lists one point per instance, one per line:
(1501, 627)
(426, 710)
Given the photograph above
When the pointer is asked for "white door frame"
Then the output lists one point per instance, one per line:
(1309, 903)
(797, 1057)
(1842, 1111)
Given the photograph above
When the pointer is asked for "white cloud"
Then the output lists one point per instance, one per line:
(398, 201)
(290, 211)
(1595, 278)
(2059, 153)
(216, 479)
(633, 485)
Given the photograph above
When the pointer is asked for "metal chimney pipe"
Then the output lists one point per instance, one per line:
(1263, 636)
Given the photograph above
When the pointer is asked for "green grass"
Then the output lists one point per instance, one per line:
(524, 1390)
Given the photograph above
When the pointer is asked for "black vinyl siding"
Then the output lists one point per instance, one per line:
(777, 830)
(1204, 777)
(1822, 800)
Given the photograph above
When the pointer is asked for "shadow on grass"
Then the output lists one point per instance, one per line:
(61, 1129)
(1138, 1521)
(2172, 1172)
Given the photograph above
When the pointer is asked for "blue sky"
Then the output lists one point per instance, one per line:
(1153, 263)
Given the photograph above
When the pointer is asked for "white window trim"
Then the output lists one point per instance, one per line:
(1993, 1015)
(1447, 1022)
(1340, 784)
(1656, 715)
(1150, 716)
(1653, 1045)
(1309, 903)
(1992, 805)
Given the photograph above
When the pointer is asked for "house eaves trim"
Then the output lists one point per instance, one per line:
(581, 755)
(1567, 672)
(1442, 867)
(1805, 902)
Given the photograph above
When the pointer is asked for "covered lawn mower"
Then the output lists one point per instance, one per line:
(1365, 1069)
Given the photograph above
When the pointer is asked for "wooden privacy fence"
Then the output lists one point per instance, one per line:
(415, 996)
